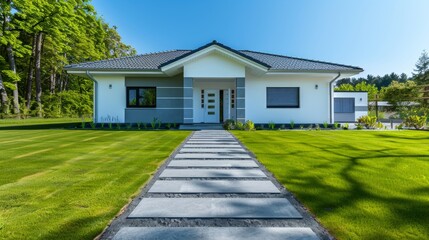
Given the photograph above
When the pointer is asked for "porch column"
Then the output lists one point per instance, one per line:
(188, 101)
(240, 99)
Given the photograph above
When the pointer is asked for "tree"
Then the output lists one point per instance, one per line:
(362, 86)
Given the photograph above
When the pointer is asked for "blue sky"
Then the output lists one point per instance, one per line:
(382, 36)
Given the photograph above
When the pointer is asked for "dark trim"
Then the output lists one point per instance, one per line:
(284, 106)
(137, 90)
(220, 45)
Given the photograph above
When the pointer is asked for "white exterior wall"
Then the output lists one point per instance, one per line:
(111, 102)
(361, 100)
(213, 65)
(314, 103)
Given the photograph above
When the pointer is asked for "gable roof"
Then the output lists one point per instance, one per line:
(155, 61)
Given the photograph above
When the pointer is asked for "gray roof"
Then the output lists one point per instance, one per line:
(154, 61)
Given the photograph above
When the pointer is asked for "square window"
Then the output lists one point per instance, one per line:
(141, 97)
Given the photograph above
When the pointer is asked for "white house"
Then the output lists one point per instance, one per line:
(211, 84)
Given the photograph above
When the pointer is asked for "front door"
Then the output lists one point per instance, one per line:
(211, 111)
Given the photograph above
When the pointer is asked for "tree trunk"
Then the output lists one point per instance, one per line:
(38, 71)
(4, 98)
(12, 64)
(53, 79)
(30, 73)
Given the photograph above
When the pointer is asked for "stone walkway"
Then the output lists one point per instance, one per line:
(213, 188)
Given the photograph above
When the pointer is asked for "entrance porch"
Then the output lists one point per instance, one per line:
(213, 100)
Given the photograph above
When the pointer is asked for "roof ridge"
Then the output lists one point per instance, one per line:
(304, 59)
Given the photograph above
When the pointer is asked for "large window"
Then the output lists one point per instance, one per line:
(344, 105)
(141, 97)
(282, 97)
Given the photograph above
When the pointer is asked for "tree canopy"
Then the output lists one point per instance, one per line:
(37, 39)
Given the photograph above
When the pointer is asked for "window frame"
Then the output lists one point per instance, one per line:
(138, 97)
(285, 106)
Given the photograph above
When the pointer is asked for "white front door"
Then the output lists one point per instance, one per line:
(211, 103)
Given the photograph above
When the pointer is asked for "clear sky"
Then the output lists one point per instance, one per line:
(381, 36)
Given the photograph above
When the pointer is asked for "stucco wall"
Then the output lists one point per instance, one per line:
(110, 98)
(314, 103)
(214, 65)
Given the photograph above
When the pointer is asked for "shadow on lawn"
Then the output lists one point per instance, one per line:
(327, 199)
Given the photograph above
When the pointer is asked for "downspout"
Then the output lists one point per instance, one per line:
(95, 97)
(330, 96)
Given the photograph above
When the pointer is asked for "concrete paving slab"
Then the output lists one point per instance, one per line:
(212, 156)
(212, 150)
(213, 186)
(211, 142)
(215, 208)
(212, 173)
(215, 233)
(213, 163)
(212, 146)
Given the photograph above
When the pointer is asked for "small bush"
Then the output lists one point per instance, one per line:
(271, 125)
(239, 125)
(301, 127)
(345, 126)
(102, 125)
(83, 125)
(118, 126)
(415, 121)
(229, 124)
(159, 123)
(292, 124)
(310, 127)
(110, 125)
(325, 125)
(317, 127)
(129, 126)
(368, 121)
(249, 126)
(168, 125)
(380, 125)
(93, 125)
(359, 126)
(400, 126)
(336, 125)
(139, 125)
(153, 123)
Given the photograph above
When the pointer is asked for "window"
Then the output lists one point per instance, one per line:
(141, 97)
(282, 97)
(232, 98)
(344, 105)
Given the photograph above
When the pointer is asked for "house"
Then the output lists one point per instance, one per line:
(349, 106)
(211, 84)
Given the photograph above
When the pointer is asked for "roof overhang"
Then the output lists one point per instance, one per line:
(174, 66)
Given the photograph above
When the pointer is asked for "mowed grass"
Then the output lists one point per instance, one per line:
(359, 184)
(68, 184)
(8, 122)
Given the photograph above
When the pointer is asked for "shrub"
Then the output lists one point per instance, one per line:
(168, 125)
(129, 126)
(418, 122)
(102, 125)
(310, 127)
(153, 123)
(271, 125)
(139, 125)
(93, 125)
(229, 124)
(345, 126)
(239, 125)
(359, 126)
(301, 127)
(336, 125)
(325, 125)
(400, 126)
(380, 125)
(110, 125)
(292, 124)
(368, 121)
(249, 126)
(159, 123)
(83, 124)
(118, 126)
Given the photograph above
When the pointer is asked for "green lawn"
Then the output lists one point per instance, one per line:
(359, 184)
(68, 184)
(8, 122)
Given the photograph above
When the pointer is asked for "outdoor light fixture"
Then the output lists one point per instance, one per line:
(110, 86)
(316, 86)
(360, 99)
